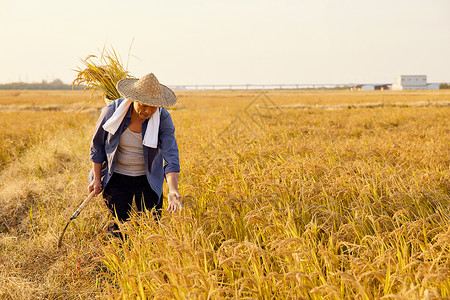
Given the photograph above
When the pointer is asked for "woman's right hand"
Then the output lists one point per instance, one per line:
(96, 186)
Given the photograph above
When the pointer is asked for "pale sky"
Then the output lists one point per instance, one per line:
(230, 42)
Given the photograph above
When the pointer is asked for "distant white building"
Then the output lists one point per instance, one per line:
(410, 82)
(433, 86)
(368, 87)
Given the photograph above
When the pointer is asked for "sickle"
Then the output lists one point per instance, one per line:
(75, 215)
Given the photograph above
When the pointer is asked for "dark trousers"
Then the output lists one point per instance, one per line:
(121, 189)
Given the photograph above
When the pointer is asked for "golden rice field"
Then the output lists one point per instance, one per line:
(336, 201)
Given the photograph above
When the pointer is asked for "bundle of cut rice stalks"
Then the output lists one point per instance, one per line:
(101, 74)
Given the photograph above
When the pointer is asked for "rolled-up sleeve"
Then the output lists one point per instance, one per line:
(168, 143)
(97, 150)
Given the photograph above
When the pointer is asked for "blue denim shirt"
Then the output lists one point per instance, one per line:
(104, 147)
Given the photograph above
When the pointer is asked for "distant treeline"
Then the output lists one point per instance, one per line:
(56, 84)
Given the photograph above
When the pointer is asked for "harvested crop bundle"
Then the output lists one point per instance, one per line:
(101, 74)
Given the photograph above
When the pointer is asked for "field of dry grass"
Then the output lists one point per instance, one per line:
(281, 203)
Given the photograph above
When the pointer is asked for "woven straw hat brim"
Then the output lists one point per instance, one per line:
(126, 87)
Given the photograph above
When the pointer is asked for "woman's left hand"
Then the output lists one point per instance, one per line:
(174, 199)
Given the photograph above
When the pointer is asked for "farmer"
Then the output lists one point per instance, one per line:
(132, 137)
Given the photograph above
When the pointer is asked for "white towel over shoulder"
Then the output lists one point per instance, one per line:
(151, 134)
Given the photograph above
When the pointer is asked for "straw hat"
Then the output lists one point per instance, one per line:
(147, 90)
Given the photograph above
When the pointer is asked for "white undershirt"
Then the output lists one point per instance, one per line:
(130, 154)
